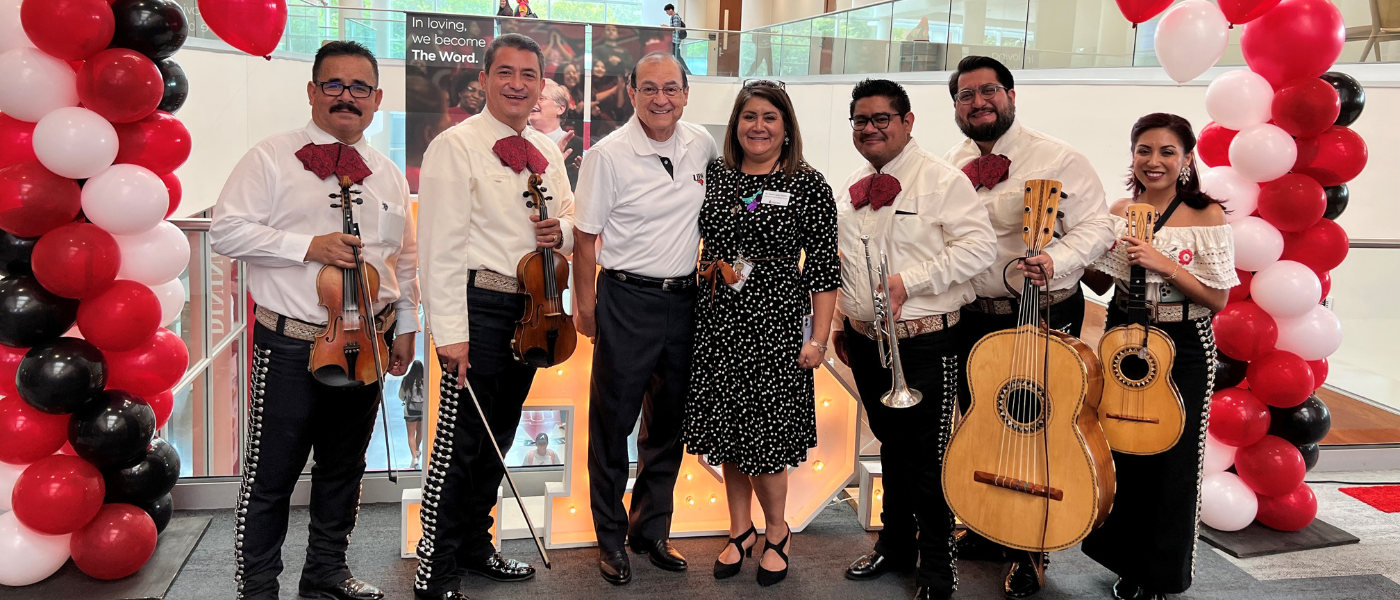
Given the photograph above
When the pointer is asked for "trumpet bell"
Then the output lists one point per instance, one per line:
(903, 397)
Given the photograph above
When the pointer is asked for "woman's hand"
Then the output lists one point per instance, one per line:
(811, 356)
(1142, 254)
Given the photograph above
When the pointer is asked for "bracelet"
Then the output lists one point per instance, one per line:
(820, 347)
(1175, 272)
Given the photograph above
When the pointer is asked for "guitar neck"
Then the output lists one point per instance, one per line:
(1030, 297)
(1137, 295)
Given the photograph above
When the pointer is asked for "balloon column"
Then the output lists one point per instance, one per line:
(88, 147)
(1281, 154)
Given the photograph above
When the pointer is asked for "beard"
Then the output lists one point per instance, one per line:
(988, 132)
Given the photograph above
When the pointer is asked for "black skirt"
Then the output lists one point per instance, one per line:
(1149, 538)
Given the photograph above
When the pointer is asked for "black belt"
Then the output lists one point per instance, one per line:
(669, 284)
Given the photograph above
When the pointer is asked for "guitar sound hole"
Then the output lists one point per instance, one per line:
(1022, 406)
(1135, 368)
(1132, 370)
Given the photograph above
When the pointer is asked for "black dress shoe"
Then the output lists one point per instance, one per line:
(1022, 581)
(350, 589)
(498, 568)
(661, 552)
(615, 567)
(452, 595)
(928, 593)
(1127, 590)
(874, 565)
(972, 546)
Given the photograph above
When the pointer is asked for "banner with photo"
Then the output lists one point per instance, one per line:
(616, 49)
(559, 113)
(444, 58)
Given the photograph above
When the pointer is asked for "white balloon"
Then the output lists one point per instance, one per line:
(1313, 336)
(1218, 456)
(172, 300)
(1263, 152)
(27, 556)
(9, 474)
(1238, 99)
(75, 143)
(1286, 289)
(35, 84)
(1240, 196)
(154, 257)
(1257, 244)
(1191, 37)
(1227, 503)
(125, 199)
(11, 32)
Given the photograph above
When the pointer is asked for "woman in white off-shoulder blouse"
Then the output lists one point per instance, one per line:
(1149, 539)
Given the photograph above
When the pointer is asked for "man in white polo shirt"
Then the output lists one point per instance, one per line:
(641, 188)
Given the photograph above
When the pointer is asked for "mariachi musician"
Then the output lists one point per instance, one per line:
(476, 228)
(274, 214)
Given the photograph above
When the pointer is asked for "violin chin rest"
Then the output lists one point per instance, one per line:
(334, 376)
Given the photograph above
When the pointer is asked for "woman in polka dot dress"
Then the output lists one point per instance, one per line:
(769, 231)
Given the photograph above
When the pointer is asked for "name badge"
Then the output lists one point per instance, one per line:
(776, 198)
(742, 268)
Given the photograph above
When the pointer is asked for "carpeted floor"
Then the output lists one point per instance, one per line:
(820, 554)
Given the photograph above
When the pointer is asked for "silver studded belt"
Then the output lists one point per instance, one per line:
(911, 328)
(496, 282)
(1007, 306)
(1167, 312)
(308, 332)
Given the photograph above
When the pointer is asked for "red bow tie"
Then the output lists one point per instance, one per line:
(877, 189)
(987, 171)
(519, 154)
(338, 159)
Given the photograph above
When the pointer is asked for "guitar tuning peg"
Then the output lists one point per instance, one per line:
(1060, 214)
(1064, 196)
(333, 196)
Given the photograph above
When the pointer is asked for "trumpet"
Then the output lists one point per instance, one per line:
(900, 394)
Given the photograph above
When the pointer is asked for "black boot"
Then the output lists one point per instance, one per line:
(1023, 580)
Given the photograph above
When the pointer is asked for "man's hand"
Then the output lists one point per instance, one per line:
(585, 323)
(401, 354)
(333, 249)
(547, 232)
(453, 358)
(1040, 269)
(896, 296)
(838, 343)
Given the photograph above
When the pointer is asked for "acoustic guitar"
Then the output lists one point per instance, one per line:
(1028, 466)
(1141, 411)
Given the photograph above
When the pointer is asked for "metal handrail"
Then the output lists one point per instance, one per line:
(1374, 243)
(195, 224)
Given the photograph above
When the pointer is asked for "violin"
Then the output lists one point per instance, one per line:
(545, 334)
(348, 295)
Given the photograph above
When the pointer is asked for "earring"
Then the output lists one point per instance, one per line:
(785, 140)
(1185, 176)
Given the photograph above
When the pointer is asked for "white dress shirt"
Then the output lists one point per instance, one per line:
(1087, 230)
(474, 216)
(271, 207)
(649, 220)
(936, 235)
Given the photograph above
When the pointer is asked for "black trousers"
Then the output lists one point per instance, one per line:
(641, 365)
(465, 472)
(290, 415)
(917, 521)
(1066, 316)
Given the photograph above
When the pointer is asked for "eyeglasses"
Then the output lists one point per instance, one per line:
(765, 83)
(671, 91)
(987, 92)
(880, 120)
(335, 89)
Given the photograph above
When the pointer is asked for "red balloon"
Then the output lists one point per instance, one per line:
(58, 494)
(9, 368)
(1293, 202)
(1326, 278)
(255, 26)
(1213, 145)
(26, 434)
(76, 260)
(1271, 466)
(1244, 11)
(1237, 417)
(1281, 379)
(1321, 247)
(1240, 293)
(33, 200)
(151, 368)
(121, 317)
(1319, 370)
(172, 185)
(1243, 331)
(1297, 39)
(124, 86)
(117, 543)
(1140, 11)
(163, 404)
(16, 141)
(158, 142)
(1332, 157)
(1306, 107)
(68, 29)
(1289, 512)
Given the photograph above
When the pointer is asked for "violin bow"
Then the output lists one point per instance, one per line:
(367, 321)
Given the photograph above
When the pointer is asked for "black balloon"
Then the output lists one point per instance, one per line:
(14, 254)
(1301, 425)
(31, 315)
(114, 431)
(1310, 453)
(156, 28)
(61, 376)
(1337, 198)
(1228, 371)
(177, 87)
(161, 510)
(1353, 96)
(148, 480)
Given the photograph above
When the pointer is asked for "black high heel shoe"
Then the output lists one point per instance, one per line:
(726, 570)
(766, 577)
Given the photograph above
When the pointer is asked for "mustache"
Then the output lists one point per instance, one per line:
(347, 107)
(872, 136)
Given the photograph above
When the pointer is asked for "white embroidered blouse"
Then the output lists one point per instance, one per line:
(1207, 252)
